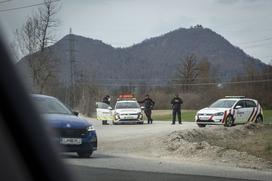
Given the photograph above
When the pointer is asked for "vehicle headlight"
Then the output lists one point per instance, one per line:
(117, 116)
(91, 128)
(219, 114)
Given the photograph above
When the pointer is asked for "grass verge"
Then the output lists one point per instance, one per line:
(188, 115)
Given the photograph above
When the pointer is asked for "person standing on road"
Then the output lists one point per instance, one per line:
(106, 99)
(148, 104)
(176, 106)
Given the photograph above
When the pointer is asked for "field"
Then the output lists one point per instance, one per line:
(188, 115)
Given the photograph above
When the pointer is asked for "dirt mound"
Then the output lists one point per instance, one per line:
(217, 144)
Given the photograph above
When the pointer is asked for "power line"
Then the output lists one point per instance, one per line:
(255, 41)
(257, 45)
(4, 1)
(27, 6)
(169, 79)
(179, 84)
(266, 57)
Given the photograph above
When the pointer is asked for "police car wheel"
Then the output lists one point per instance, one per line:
(229, 121)
(259, 119)
(201, 125)
(85, 154)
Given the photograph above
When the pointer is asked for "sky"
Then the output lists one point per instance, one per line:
(122, 23)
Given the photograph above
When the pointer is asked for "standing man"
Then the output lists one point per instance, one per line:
(148, 104)
(176, 106)
(106, 99)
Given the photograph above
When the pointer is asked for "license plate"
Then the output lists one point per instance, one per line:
(204, 118)
(70, 141)
(128, 117)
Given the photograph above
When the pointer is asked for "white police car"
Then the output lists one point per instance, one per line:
(127, 110)
(230, 111)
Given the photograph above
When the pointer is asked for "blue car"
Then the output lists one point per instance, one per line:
(73, 133)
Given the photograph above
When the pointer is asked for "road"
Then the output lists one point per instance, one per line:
(116, 158)
(105, 174)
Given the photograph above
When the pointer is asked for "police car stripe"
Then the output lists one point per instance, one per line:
(211, 117)
(255, 109)
(251, 115)
(258, 112)
(255, 114)
(223, 120)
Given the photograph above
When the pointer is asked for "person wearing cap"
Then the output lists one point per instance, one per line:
(176, 107)
(148, 106)
(106, 99)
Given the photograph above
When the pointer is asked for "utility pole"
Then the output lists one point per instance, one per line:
(70, 86)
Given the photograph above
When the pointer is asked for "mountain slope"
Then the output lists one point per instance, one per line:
(154, 60)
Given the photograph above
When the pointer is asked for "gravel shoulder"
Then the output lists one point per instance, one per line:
(213, 145)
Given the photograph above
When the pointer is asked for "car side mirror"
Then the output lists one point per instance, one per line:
(238, 107)
(76, 113)
(109, 108)
(142, 107)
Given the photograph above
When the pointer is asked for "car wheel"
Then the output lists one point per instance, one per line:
(259, 119)
(85, 154)
(229, 121)
(201, 125)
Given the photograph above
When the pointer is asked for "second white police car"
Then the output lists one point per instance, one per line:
(230, 111)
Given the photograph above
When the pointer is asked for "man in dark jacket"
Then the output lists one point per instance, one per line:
(106, 99)
(176, 106)
(148, 104)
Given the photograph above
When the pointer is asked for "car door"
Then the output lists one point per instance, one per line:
(103, 111)
(251, 107)
(241, 111)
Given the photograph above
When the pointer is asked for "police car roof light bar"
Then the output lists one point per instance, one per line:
(126, 97)
(239, 97)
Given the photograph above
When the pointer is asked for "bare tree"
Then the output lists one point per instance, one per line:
(34, 38)
(87, 93)
(187, 71)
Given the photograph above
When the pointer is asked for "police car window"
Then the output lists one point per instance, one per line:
(50, 106)
(126, 105)
(241, 103)
(250, 103)
(223, 104)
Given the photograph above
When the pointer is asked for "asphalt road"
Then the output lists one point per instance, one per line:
(83, 173)
(110, 165)
(124, 164)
